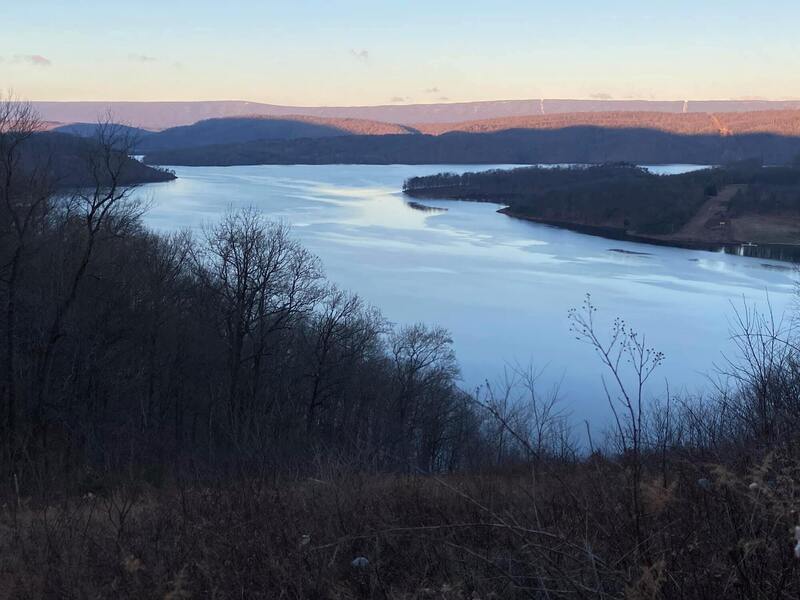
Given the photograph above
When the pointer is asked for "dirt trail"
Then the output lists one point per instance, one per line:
(723, 131)
(711, 223)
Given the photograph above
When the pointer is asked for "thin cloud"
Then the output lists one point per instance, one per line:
(362, 55)
(399, 99)
(433, 90)
(142, 58)
(37, 60)
(601, 96)
(443, 98)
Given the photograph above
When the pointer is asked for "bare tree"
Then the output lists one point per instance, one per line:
(425, 368)
(25, 191)
(630, 363)
(104, 207)
(340, 332)
(761, 379)
(528, 422)
(262, 280)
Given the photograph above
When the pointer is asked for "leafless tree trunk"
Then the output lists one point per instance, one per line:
(623, 347)
(104, 208)
(25, 191)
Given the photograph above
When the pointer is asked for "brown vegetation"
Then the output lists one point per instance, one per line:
(352, 126)
(780, 122)
(491, 535)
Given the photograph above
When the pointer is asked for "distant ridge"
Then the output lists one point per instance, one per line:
(777, 121)
(578, 144)
(245, 129)
(161, 115)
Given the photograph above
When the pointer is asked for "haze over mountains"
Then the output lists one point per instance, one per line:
(161, 115)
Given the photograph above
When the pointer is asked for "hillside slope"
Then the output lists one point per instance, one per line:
(781, 122)
(247, 129)
(515, 146)
(63, 158)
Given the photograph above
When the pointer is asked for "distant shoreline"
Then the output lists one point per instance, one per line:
(744, 210)
(612, 233)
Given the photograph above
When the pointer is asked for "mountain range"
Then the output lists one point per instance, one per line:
(161, 115)
(641, 137)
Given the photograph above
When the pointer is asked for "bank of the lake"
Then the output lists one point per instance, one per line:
(742, 209)
(781, 252)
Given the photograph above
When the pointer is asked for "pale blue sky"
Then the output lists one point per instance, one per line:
(320, 52)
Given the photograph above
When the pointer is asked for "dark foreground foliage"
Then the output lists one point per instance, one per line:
(565, 532)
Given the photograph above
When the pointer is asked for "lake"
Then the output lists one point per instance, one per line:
(501, 286)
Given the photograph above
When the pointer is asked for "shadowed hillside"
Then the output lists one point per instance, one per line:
(606, 136)
(517, 146)
(88, 130)
(246, 129)
(64, 158)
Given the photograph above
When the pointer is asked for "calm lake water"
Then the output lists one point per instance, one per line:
(501, 286)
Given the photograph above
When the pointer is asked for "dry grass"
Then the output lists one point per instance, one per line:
(566, 534)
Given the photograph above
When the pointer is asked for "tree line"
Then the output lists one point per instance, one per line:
(619, 195)
(580, 144)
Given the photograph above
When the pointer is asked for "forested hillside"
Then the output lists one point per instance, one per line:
(780, 122)
(638, 137)
(68, 161)
(225, 131)
(516, 146)
(131, 350)
(622, 196)
(633, 201)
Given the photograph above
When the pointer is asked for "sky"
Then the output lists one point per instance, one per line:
(330, 52)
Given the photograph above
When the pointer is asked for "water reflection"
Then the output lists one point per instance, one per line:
(502, 286)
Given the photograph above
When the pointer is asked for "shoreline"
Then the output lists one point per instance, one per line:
(789, 253)
(781, 252)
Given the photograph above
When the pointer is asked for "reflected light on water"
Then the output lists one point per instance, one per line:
(500, 285)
